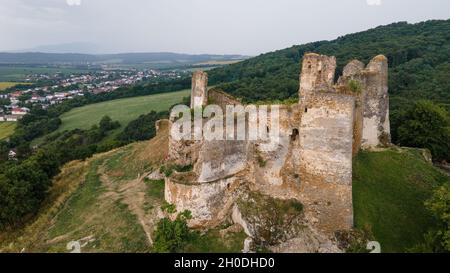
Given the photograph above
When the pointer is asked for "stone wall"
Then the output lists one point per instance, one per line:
(326, 160)
(218, 97)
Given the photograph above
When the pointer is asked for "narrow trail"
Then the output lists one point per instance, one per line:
(133, 194)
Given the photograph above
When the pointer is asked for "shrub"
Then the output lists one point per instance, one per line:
(172, 236)
(438, 240)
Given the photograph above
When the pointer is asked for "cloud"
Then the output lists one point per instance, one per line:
(374, 2)
(73, 2)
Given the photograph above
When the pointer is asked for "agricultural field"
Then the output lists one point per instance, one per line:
(6, 129)
(19, 73)
(219, 62)
(6, 85)
(122, 110)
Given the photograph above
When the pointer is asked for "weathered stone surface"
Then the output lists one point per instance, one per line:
(326, 137)
(220, 158)
(199, 94)
(308, 241)
(267, 220)
(209, 203)
(354, 67)
(317, 74)
(218, 97)
(376, 128)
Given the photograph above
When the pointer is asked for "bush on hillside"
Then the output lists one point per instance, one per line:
(172, 236)
(426, 125)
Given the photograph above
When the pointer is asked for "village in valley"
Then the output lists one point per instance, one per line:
(50, 89)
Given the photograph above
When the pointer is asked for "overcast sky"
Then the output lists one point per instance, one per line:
(199, 26)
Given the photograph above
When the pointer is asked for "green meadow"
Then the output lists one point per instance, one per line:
(6, 129)
(122, 110)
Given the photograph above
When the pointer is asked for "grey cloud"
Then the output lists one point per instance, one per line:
(199, 26)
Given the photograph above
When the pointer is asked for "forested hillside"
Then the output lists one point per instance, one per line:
(419, 60)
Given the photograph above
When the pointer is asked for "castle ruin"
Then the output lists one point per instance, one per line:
(312, 162)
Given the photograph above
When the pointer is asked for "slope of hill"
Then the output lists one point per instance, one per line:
(419, 60)
(389, 190)
(107, 205)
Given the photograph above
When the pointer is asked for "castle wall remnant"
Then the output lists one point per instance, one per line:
(312, 162)
(376, 129)
(326, 131)
(317, 74)
(199, 93)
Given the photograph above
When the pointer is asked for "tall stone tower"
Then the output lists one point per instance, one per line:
(199, 93)
(317, 74)
(376, 126)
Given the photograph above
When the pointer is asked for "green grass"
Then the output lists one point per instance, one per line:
(389, 191)
(155, 188)
(122, 110)
(88, 213)
(19, 73)
(6, 129)
(119, 162)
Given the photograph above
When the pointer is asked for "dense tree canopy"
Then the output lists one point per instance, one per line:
(426, 125)
(418, 54)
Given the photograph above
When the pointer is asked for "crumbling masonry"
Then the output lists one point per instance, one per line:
(313, 160)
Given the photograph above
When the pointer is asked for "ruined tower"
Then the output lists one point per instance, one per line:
(326, 133)
(317, 74)
(376, 126)
(199, 93)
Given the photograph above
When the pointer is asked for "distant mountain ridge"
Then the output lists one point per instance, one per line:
(75, 47)
(123, 58)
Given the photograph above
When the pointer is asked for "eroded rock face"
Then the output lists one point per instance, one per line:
(310, 164)
(268, 220)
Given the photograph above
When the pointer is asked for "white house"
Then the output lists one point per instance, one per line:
(20, 111)
(12, 117)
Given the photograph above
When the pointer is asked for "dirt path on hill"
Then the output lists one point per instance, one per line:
(133, 194)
